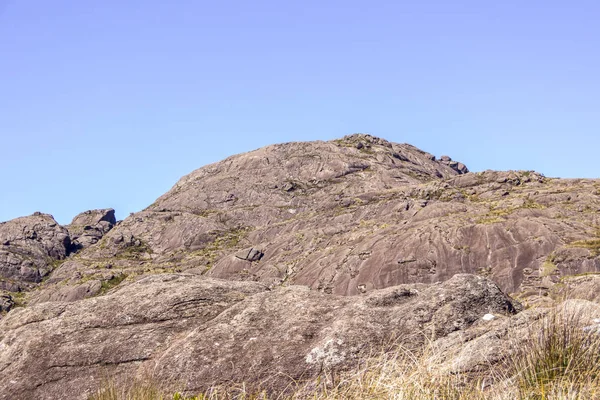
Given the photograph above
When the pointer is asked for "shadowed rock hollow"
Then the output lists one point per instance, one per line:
(90, 226)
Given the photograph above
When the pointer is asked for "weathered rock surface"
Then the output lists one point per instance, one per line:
(90, 226)
(585, 287)
(201, 288)
(487, 343)
(28, 248)
(6, 303)
(353, 215)
(193, 332)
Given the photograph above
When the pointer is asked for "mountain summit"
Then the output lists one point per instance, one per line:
(345, 216)
(286, 261)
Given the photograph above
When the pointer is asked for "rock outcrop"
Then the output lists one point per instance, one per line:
(353, 215)
(28, 248)
(193, 332)
(291, 261)
(345, 217)
(31, 247)
(6, 303)
(90, 226)
(485, 344)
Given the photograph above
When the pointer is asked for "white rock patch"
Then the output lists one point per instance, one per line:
(488, 317)
(328, 354)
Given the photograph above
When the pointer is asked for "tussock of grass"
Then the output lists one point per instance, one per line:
(559, 359)
(139, 390)
(549, 266)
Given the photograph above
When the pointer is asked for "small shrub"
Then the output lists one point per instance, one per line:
(112, 282)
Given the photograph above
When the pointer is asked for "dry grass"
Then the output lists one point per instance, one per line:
(593, 245)
(139, 390)
(400, 376)
(558, 360)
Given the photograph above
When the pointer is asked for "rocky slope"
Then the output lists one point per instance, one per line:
(192, 332)
(350, 216)
(286, 254)
(31, 247)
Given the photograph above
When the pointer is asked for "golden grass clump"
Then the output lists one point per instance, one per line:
(560, 358)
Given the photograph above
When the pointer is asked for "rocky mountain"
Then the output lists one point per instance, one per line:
(29, 248)
(286, 254)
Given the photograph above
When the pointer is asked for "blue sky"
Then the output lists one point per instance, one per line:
(107, 103)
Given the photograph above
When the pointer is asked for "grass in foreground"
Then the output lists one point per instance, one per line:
(559, 360)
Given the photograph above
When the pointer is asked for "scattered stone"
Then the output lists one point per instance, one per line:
(6, 302)
(250, 254)
(288, 187)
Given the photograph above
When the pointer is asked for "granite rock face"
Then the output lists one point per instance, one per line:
(288, 261)
(193, 332)
(90, 226)
(28, 248)
(345, 217)
(353, 215)
(32, 247)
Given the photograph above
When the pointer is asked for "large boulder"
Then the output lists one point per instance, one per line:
(29, 246)
(6, 303)
(193, 332)
(90, 226)
(487, 344)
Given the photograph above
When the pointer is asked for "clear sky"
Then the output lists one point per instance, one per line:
(107, 103)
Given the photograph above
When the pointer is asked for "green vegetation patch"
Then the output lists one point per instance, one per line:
(353, 143)
(549, 267)
(496, 214)
(112, 282)
(593, 245)
(488, 220)
(136, 252)
(223, 241)
(19, 299)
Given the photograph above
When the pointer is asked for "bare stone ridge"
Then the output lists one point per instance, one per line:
(290, 260)
(345, 216)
